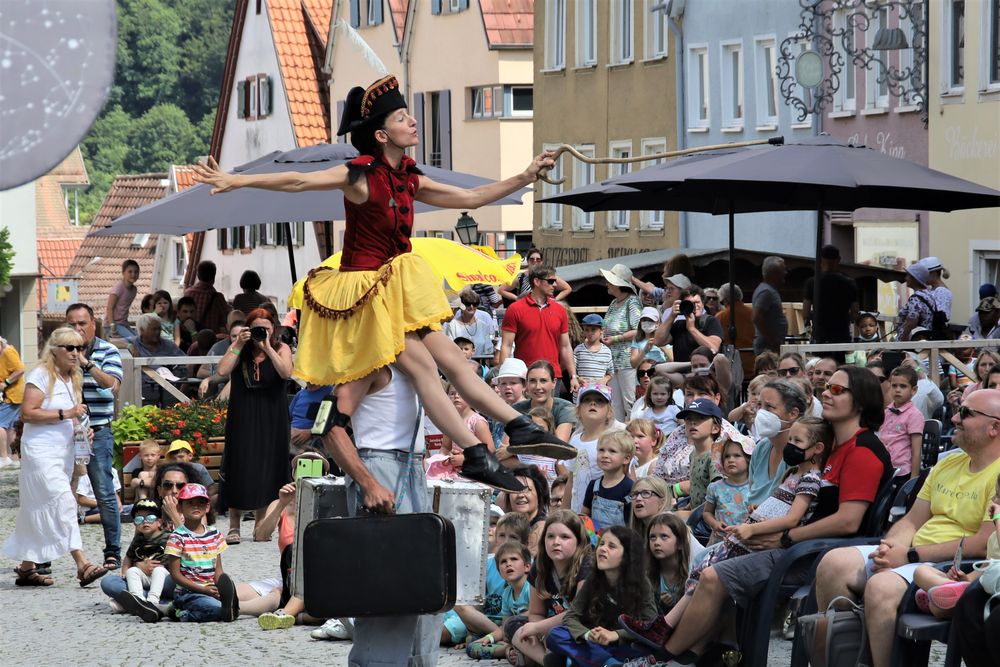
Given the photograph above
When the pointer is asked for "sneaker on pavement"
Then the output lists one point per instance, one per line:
(278, 620)
(6, 461)
(138, 606)
(115, 607)
(332, 629)
(652, 633)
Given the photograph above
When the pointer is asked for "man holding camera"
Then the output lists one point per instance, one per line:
(687, 326)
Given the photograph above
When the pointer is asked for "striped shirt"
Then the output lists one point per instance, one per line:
(101, 401)
(196, 551)
(593, 365)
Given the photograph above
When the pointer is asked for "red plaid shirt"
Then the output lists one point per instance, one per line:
(211, 308)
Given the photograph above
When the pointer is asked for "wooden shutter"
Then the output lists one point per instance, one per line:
(444, 102)
(220, 239)
(264, 91)
(355, 13)
(435, 6)
(241, 99)
(418, 113)
(377, 14)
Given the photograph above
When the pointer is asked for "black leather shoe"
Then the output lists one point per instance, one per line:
(481, 466)
(527, 437)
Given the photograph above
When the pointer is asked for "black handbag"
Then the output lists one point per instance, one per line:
(394, 565)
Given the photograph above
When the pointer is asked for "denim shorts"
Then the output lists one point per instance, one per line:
(9, 413)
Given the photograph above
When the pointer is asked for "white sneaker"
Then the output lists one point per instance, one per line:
(115, 607)
(6, 461)
(332, 629)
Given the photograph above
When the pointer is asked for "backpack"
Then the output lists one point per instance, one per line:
(939, 320)
(836, 638)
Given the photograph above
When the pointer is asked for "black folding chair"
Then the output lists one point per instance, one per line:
(916, 630)
(931, 448)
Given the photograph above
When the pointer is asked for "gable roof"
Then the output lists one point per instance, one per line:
(98, 262)
(398, 9)
(509, 23)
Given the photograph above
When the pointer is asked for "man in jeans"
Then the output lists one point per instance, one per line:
(102, 375)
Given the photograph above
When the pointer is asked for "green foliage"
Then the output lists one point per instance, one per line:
(132, 424)
(162, 136)
(6, 256)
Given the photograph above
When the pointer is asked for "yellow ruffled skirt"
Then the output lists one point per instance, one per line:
(354, 322)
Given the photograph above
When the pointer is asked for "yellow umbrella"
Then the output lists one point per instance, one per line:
(456, 265)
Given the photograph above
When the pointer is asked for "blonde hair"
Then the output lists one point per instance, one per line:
(620, 438)
(659, 486)
(148, 446)
(546, 416)
(648, 428)
(758, 383)
(47, 360)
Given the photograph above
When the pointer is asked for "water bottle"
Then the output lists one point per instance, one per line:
(81, 439)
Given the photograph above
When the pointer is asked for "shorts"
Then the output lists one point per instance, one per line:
(455, 627)
(745, 576)
(904, 571)
(263, 587)
(9, 413)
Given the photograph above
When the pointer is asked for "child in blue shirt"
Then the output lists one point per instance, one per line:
(726, 500)
(513, 561)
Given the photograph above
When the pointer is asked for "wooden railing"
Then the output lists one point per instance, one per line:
(135, 368)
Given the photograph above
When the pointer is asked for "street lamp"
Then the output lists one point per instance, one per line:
(467, 229)
(807, 88)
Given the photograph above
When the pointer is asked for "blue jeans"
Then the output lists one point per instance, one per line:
(125, 332)
(112, 584)
(589, 654)
(196, 607)
(99, 470)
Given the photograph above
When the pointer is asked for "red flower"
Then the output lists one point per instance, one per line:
(152, 429)
(197, 434)
(176, 431)
(216, 420)
(181, 424)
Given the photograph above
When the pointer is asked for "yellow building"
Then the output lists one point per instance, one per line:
(964, 139)
(465, 69)
(605, 83)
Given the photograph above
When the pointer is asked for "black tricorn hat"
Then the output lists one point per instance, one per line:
(364, 104)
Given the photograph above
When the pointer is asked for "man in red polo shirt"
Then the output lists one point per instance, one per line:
(536, 327)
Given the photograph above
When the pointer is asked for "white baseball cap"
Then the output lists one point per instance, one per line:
(512, 367)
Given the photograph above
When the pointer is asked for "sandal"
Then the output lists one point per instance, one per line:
(233, 537)
(30, 577)
(44, 568)
(90, 573)
(515, 657)
(112, 563)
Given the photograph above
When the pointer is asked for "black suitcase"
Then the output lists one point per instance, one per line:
(397, 565)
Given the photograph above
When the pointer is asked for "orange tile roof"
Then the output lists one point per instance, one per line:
(183, 175)
(72, 169)
(300, 48)
(54, 258)
(509, 22)
(98, 260)
(398, 9)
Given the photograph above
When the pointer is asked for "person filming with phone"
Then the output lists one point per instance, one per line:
(255, 465)
(687, 326)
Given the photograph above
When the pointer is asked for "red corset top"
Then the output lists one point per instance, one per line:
(380, 229)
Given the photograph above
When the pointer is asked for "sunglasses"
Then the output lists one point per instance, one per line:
(836, 389)
(964, 412)
(649, 372)
(469, 305)
(149, 518)
(551, 281)
(172, 485)
(645, 494)
(74, 348)
(788, 372)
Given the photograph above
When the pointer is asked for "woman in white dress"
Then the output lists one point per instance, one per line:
(46, 525)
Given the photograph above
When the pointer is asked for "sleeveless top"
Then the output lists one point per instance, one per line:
(385, 419)
(380, 228)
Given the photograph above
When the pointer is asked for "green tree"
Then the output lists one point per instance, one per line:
(205, 36)
(149, 55)
(6, 256)
(162, 137)
(105, 150)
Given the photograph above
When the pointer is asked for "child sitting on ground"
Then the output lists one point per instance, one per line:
(204, 592)
(513, 561)
(142, 481)
(658, 405)
(606, 500)
(669, 558)
(142, 568)
(902, 432)
(703, 423)
(939, 592)
(726, 499)
(648, 442)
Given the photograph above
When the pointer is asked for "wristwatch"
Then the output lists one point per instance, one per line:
(786, 539)
(90, 364)
(912, 556)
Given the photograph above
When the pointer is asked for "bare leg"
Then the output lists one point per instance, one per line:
(4, 446)
(532, 647)
(235, 516)
(449, 358)
(882, 596)
(702, 612)
(674, 616)
(475, 620)
(841, 572)
(258, 605)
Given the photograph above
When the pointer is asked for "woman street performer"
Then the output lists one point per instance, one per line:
(384, 305)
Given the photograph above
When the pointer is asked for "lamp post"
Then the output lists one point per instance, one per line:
(810, 77)
(467, 229)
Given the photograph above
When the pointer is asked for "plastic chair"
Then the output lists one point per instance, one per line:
(901, 504)
(916, 630)
(931, 448)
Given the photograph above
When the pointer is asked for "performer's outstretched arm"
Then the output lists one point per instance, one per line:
(448, 196)
(334, 178)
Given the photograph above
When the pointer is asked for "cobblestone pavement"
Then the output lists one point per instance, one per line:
(65, 624)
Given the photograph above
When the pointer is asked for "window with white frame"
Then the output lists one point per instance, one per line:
(501, 101)
(991, 45)
(657, 30)
(179, 257)
(487, 101)
(986, 266)
(552, 214)
(583, 174)
(954, 41)
(846, 97)
(519, 101)
(622, 31)
(586, 33)
(652, 220)
(699, 114)
(732, 84)
(555, 34)
(766, 81)
(876, 81)
(619, 221)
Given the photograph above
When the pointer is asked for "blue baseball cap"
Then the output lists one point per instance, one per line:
(593, 320)
(702, 406)
(587, 389)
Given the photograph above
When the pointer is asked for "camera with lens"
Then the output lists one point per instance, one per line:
(258, 334)
(686, 308)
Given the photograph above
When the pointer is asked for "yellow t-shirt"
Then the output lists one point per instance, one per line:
(10, 363)
(959, 500)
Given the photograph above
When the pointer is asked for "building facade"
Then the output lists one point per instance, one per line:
(604, 82)
(18, 299)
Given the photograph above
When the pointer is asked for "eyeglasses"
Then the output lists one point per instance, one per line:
(149, 518)
(645, 494)
(172, 485)
(649, 372)
(534, 260)
(709, 297)
(555, 501)
(788, 372)
(964, 412)
(74, 348)
(551, 281)
(835, 389)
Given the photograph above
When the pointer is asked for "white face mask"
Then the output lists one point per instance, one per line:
(648, 327)
(766, 424)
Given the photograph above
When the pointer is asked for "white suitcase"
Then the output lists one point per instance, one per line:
(466, 504)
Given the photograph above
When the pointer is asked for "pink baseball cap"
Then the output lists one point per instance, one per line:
(191, 490)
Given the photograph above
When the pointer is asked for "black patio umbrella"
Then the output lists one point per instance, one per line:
(820, 173)
(195, 210)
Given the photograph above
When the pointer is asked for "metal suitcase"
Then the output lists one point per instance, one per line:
(466, 504)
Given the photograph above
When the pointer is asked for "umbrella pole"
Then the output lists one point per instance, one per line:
(291, 252)
(820, 216)
(732, 272)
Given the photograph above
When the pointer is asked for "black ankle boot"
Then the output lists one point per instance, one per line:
(527, 437)
(481, 466)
